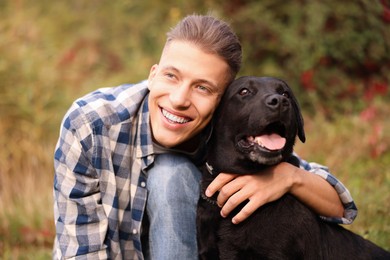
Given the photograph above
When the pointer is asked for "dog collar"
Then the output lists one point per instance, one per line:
(210, 168)
(211, 200)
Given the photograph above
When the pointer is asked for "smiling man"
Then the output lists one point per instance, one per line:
(182, 99)
(126, 180)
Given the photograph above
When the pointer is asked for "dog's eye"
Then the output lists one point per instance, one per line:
(286, 94)
(244, 92)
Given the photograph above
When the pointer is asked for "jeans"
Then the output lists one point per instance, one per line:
(173, 193)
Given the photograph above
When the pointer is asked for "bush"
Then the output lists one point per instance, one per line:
(335, 53)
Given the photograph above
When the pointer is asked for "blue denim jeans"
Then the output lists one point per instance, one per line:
(173, 186)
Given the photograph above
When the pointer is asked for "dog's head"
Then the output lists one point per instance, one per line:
(255, 125)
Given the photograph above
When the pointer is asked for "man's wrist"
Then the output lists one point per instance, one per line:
(296, 179)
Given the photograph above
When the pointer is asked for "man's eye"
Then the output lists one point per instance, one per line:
(202, 88)
(170, 75)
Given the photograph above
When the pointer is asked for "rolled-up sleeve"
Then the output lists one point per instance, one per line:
(350, 209)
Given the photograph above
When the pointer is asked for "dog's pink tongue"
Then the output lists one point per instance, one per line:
(271, 142)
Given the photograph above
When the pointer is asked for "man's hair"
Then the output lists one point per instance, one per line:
(211, 35)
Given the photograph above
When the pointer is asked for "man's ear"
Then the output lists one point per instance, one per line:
(152, 74)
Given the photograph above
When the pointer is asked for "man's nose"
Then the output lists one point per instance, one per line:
(180, 97)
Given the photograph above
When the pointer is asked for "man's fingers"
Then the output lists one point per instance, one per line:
(246, 211)
(256, 201)
(232, 192)
(221, 180)
(232, 202)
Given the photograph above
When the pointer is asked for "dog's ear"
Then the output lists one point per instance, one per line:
(298, 114)
(299, 117)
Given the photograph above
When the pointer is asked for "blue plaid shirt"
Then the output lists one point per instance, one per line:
(104, 149)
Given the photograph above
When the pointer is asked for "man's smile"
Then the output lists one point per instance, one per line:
(174, 118)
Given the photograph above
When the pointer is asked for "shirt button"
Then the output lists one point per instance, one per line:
(143, 184)
(135, 231)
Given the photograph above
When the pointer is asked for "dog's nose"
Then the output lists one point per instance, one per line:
(276, 102)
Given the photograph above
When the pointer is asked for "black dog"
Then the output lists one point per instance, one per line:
(256, 126)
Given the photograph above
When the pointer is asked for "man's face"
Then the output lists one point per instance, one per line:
(185, 88)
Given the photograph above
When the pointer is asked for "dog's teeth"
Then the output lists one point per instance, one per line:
(258, 141)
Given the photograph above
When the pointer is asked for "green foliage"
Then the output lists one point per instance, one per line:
(335, 53)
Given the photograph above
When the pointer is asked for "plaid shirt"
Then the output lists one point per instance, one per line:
(100, 192)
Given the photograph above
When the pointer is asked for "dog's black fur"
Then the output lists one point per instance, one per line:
(284, 229)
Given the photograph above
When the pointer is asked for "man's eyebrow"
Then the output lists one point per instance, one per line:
(170, 67)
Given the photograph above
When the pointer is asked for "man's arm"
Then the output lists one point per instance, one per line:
(349, 207)
(317, 193)
(80, 220)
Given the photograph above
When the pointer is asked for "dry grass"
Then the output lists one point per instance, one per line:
(26, 170)
(357, 151)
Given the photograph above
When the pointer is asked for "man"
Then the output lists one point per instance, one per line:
(125, 162)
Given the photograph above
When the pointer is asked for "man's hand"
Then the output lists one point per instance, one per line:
(271, 184)
(259, 189)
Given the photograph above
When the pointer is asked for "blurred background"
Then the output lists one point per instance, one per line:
(334, 54)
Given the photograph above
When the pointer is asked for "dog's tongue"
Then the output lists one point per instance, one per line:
(271, 142)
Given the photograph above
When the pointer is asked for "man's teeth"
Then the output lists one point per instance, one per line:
(173, 118)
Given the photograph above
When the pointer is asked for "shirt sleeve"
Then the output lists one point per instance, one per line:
(80, 221)
(350, 209)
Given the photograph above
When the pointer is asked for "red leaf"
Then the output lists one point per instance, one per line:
(307, 80)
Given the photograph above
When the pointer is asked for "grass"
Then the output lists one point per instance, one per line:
(357, 151)
(52, 53)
